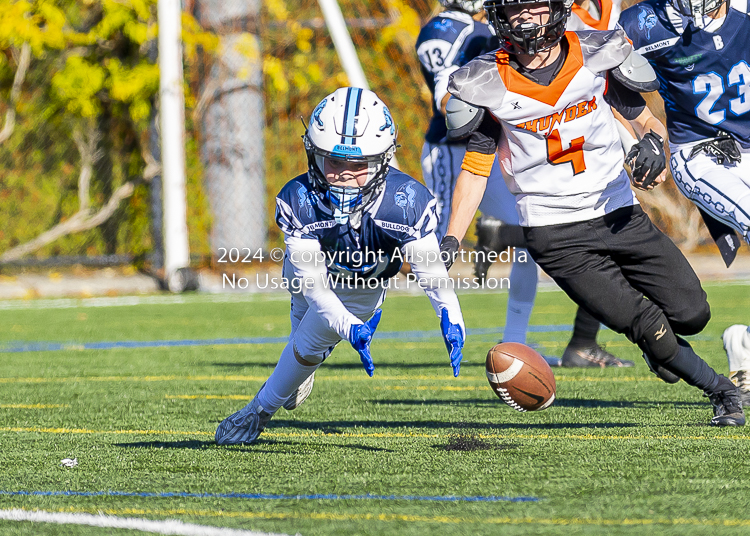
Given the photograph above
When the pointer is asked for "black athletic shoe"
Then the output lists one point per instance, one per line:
(727, 406)
(660, 371)
(591, 356)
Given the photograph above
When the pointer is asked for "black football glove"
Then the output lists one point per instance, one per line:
(647, 159)
(449, 250)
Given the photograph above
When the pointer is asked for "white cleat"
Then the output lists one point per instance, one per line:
(300, 394)
(244, 426)
(737, 345)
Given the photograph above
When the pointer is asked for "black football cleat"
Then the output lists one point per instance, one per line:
(727, 405)
(591, 356)
(660, 371)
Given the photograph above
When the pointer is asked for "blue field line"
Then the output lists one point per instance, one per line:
(58, 346)
(267, 496)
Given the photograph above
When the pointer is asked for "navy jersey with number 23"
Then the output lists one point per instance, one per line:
(705, 76)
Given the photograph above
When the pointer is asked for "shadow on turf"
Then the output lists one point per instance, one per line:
(343, 427)
(560, 403)
(353, 366)
(203, 445)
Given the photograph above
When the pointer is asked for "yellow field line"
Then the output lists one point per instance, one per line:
(32, 406)
(328, 516)
(379, 435)
(348, 378)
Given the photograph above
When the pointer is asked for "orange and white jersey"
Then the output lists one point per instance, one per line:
(582, 19)
(560, 151)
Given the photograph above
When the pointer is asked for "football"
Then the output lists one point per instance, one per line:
(520, 376)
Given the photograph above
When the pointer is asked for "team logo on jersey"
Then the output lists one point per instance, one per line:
(548, 122)
(688, 62)
(303, 197)
(718, 42)
(405, 198)
(646, 20)
(446, 25)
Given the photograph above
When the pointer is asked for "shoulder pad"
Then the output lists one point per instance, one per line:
(603, 51)
(637, 74)
(479, 82)
(461, 118)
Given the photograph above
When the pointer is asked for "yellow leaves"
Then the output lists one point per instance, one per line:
(274, 69)
(405, 27)
(304, 35)
(277, 9)
(77, 84)
(133, 86)
(41, 25)
(247, 44)
(194, 36)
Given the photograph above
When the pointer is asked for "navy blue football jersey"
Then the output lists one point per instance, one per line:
(404, 211)
(451, 39)
(704, 76)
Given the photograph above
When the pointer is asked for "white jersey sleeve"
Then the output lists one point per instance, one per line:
(305, 257)
(424, 257)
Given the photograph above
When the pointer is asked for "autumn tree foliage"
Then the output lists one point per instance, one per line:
(78, 88)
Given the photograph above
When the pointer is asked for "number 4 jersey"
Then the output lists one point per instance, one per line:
(558, 145)
(704, 74)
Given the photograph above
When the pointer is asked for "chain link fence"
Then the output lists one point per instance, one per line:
(79, 151)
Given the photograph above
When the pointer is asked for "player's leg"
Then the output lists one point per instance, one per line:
(311, 342)
(651, 262)
(583, 350)
(737, 345)
(298, 309)
(584, 259)
(723, 190)
(441, 164)
(498, 229)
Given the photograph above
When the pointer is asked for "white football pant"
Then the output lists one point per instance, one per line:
(721, 190)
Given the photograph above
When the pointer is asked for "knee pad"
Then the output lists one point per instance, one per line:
(659, 342)
(312, 357)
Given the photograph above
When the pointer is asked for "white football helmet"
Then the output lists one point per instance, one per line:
(472, 7)
(350, 124)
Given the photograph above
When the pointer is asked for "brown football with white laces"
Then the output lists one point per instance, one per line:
(520, 376)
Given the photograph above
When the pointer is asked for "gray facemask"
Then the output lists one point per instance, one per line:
(696, 9)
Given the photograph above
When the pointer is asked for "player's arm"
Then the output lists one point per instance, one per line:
(423, 254)
(647, 157)
(307, 261)
(483, 132)
(433, 54)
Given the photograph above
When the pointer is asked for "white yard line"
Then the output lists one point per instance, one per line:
(170, 526)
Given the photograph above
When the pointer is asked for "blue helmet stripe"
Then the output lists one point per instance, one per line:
(353, 99)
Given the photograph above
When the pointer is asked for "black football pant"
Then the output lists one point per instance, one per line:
(632, 278)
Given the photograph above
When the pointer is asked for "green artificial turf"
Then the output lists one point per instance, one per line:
(618, 453)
